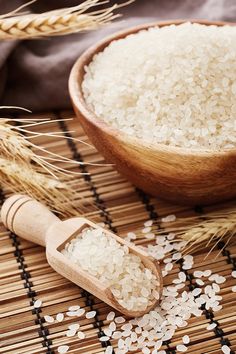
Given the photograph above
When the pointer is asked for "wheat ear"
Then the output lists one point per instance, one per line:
(16, 25)
(28, 168)
(209, 231)
(22, 178)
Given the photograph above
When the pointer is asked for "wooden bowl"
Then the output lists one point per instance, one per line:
(175, 174)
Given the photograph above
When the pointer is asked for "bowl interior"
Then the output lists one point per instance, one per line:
(75, 89)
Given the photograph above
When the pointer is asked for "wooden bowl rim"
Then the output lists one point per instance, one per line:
(78, 100)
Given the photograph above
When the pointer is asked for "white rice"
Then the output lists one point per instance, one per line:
(174, 85)
(133, 285)
(148, 333)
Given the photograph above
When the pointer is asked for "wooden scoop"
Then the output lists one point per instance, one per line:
(34, 222)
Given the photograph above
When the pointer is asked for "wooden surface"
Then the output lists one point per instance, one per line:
(26, 276)
(34, 222)
(176, 174)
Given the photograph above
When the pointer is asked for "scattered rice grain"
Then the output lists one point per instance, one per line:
(186, 339)
(211, 326)
(81, 335)
(60, 317)
(225, 349)
(90, 314)
(49, 319)
(181, 348)
(37, 304)
(63, 349)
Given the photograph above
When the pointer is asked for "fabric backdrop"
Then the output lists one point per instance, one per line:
(34, 73)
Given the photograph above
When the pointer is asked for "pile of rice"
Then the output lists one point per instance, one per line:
(174, 85)
(134, 286)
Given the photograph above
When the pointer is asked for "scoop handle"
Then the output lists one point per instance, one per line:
(27, 218)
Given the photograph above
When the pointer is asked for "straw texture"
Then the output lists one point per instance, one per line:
(26, 276)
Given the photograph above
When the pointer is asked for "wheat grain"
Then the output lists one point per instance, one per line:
(28, 168)
(14, 143)
(203, 231)
(214, 228)
(22, 178)
(57, 22)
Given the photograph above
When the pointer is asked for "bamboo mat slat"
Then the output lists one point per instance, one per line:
(25, 275)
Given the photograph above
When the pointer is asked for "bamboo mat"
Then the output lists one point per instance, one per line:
(26, 276)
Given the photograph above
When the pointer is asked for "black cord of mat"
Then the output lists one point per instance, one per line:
(209, 314)
(25, 275)
(230, 260)
(104, 213)
(153, 215)
(77, 157)
(43, 332)
(148, 206)
(226, 253)
(219, 333)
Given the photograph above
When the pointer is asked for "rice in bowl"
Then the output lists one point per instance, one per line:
(174, 85)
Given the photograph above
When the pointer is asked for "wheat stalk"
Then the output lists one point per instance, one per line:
(207, 230)
(22, 178)
(213, 229)
(23, 170)
(14, 143)
(16, 25)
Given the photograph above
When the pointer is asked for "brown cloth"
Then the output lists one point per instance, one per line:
(34, 73)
